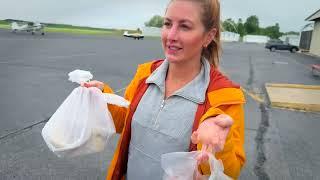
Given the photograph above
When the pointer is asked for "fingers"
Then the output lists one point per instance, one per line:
(195, 137)
(223, 120)
(207, 148)
(93, 83)
(85, 84)
(202, 157)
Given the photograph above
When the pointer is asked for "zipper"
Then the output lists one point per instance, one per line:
(157, 117)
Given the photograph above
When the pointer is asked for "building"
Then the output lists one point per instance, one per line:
(255, 39)
(315, 39)
(230, 36)
(305, 37)
(291, 39)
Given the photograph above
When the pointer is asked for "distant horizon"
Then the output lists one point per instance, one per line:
(132, 15)
(101, 27)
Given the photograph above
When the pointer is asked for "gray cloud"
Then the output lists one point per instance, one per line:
(290, 14)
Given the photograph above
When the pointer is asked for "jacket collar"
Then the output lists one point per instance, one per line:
(194, 91)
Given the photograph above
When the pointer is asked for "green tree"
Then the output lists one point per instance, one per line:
(240, 27)
(155, 21)
(272, 31)
(251, 25)
(229, 25)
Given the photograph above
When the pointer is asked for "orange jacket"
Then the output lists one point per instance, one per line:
(223, 97)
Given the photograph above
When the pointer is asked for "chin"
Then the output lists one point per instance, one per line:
(173, 59)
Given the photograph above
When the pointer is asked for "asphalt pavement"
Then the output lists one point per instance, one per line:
(280, 143)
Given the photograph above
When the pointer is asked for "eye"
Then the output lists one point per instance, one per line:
(185, 27)
(166, 24)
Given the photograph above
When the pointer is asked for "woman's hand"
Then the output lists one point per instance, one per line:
(212, 134)
(93, 83)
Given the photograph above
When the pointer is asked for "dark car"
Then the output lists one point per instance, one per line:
(273, 45)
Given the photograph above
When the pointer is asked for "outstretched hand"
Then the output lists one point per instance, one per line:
(212, 134)
(93, 83)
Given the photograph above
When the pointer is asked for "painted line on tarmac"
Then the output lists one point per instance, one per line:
(299, 86)
(248, 92)
(253, 95)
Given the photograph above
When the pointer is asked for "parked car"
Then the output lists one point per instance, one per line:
(273, 45)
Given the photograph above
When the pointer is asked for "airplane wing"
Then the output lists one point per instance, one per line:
(133, 35)
(29, 27)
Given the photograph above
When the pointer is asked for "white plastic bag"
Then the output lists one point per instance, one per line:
(183, 166)
(82, 124)
(80, 76)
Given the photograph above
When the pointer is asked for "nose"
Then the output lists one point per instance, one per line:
(172, 33)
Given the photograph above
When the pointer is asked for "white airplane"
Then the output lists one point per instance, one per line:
(133, 35)
(28, 27)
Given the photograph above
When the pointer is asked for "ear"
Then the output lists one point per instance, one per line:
(210, 36)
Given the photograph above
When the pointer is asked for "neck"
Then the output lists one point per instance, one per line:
(182, 73)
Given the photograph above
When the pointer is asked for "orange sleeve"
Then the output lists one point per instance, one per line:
(119, 113)
(232, 155)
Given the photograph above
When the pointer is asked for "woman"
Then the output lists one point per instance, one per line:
(182, 103)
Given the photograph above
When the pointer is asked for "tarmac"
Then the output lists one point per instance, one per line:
(279, 143)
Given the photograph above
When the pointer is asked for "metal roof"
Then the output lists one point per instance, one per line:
(314, 16)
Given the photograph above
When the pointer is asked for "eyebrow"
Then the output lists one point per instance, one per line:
(180, 21)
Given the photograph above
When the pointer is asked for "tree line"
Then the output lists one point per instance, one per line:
(249, 27)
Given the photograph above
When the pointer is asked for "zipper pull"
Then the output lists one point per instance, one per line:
(162, 104)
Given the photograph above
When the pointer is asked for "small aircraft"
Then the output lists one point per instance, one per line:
(28, 27)
(133, 35)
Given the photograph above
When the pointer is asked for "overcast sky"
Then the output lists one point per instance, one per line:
(290, 14)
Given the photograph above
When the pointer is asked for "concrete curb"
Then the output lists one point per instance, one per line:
(301, 86)
(294, 96)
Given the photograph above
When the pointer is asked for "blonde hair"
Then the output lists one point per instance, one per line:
(210, 18)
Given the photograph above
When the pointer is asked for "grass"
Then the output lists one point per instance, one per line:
(5, 26)
(83, 31)
(64, 28)
(69, 29)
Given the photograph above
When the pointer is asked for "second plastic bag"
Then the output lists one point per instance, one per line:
(183, 166)
(82, 124)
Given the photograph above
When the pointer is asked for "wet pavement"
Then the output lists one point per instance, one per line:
(280, 143)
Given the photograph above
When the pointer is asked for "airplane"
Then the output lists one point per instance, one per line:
(29, 27)
(133, 35)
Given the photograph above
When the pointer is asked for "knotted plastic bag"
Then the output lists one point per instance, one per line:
(183, 166)
(82, 124)
(80, 76)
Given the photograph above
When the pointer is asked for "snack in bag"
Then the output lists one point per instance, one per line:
(82, 124)
(183, 166)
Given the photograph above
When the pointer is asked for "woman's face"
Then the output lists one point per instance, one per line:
(183, 34)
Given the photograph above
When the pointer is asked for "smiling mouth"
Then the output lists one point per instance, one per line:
(173, 48)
